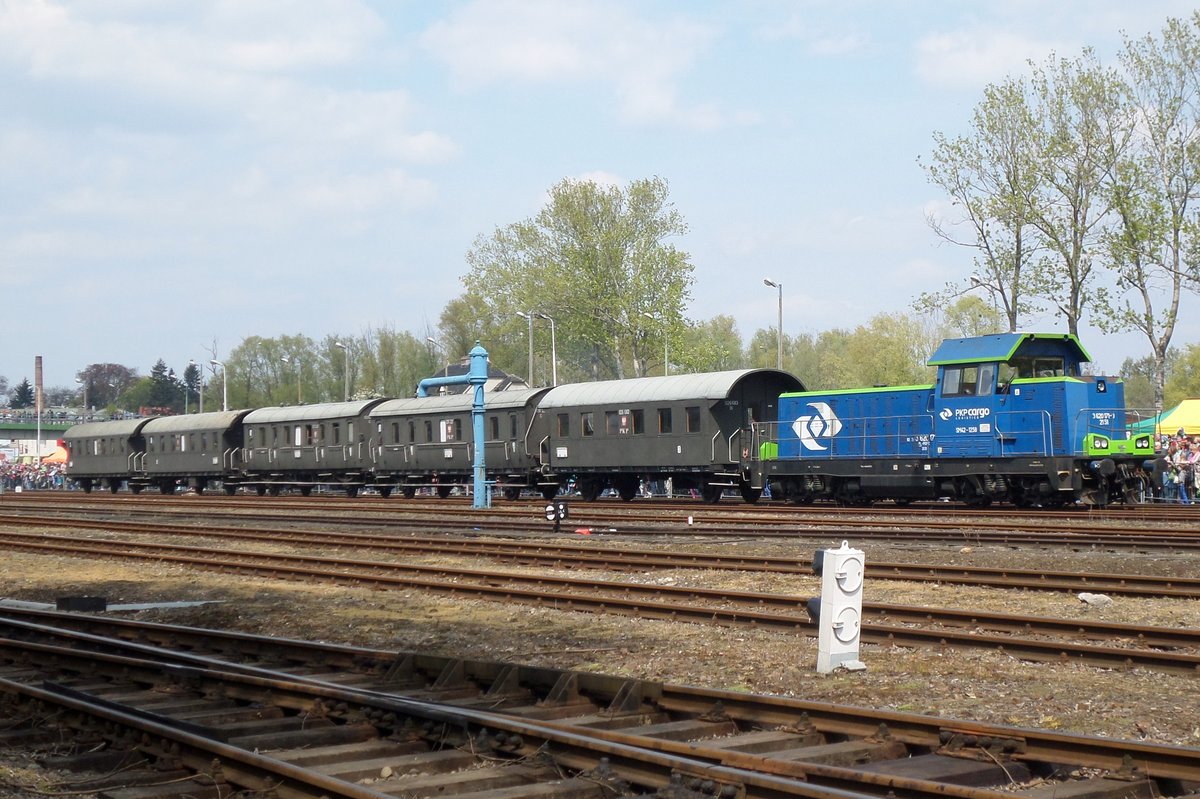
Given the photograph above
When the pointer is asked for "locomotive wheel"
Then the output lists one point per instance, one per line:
(711, 494)
(444, 491)
(749, 493)
(512, 494)
(408, 491)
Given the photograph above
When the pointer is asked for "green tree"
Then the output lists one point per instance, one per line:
(22, 396)
(989, 177)
(1153, 248)
(711, 346)
(1184, 380)
(971, 316)
(104, 382)
(596, 259)
(1079, 131)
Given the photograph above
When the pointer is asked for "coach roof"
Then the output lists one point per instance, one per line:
(310, 413)
(452, 403)
(219, 420)
(710, 386)
(124, 427)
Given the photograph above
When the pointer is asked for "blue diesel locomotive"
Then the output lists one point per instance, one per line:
(1011, 417)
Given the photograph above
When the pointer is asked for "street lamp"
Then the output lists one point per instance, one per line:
(299, 395)
(774, 285)
(666, 361)
(346, 355)
(85, 388)
(529, 316)
(553, 349)
(224, 384)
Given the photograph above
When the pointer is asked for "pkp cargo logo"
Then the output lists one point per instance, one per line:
(823, 424)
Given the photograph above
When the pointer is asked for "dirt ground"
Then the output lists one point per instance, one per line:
(972, 685)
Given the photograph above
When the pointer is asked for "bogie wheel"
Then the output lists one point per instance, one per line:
(711, 494)
(306, 491)
(627, 490)
(750, 494)
(549, 492)
(132, 490)
(230, 490)
(512, 494)
(260, 490)
(385, 491)
(589, 490)
(352, 491)
(408, 491)
(166, 487)
(86, 485)
(113, 485)
(274, 491)
(444, 491)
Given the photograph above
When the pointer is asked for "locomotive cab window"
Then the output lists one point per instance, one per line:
(960, 381)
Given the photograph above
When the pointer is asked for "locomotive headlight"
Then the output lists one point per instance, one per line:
(1100, 442)
(1142, 442)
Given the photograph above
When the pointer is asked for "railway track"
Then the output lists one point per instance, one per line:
(1078, 530)
(205, 713)
(544, 553)
(1026, 637)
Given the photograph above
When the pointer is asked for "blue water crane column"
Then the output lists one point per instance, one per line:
(476, 377)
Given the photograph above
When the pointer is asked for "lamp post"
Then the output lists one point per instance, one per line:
(224, 384)
(774, 285)
(346, 355)
(528, 315)
(553, 349)
(299, 390)
(84, 386)
(666, 360)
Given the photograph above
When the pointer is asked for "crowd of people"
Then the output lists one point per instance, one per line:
(1177, 469)
(29, 476)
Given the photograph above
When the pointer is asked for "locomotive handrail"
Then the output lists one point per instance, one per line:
(713, 447)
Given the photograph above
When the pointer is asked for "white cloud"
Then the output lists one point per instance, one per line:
(972, 58)
(582, 44)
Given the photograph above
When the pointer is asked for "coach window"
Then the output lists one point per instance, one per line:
(664, 420)
(693, 419)
(512, 425)
(395, 432)
(639, 422)
(587, 424)
(412, 432)
(337, 432)
(458, 429)
(429, 431)
(495, 428)
(612, 423)
(204, 442)
(564, 425)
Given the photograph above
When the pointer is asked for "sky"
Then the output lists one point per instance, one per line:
(176, 176)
